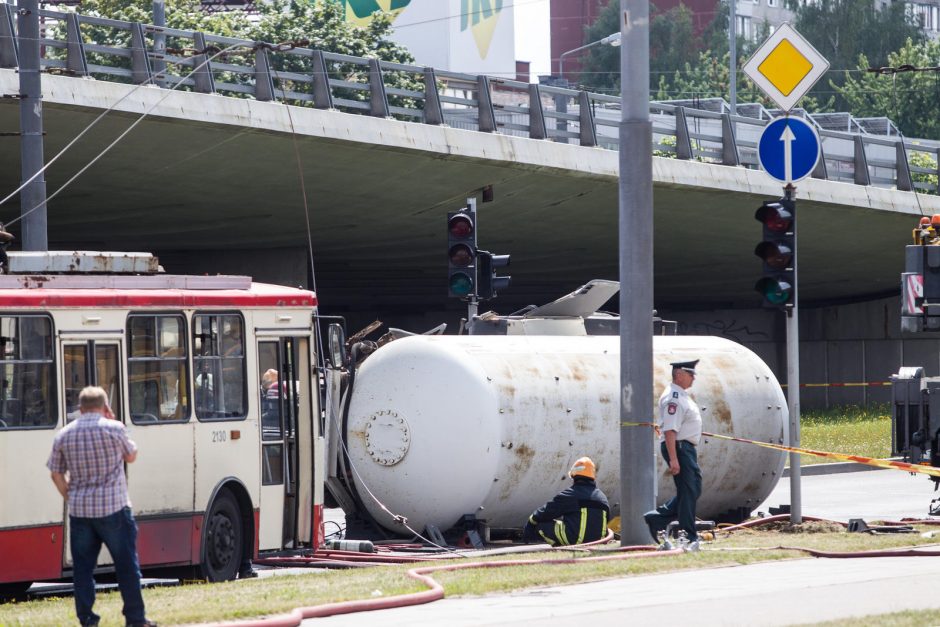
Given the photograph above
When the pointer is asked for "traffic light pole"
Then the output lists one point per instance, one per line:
(793, 379)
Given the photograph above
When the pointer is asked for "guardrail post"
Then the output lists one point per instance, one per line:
(264, 83)
(140, 62)
(729, 150)
(75, 60)
(8, 56)
(904, 181)
(377, 96)
(862, 177)
(683, 140)
(433, 114)
(821, 171)
(202, 70)
(586, 121)
(537, 128)
(322, 97)
(486, 115)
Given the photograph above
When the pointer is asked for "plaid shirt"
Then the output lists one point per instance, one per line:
(92, 450)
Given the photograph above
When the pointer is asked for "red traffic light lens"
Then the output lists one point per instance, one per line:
(460, 255)
(775, 217)
(777, 256)
(460, 226)
(774, 291)
(460, 284)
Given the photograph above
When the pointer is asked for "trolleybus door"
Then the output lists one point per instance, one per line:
(286, 442)
(91, 362)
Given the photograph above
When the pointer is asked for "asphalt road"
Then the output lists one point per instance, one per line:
(792, 592)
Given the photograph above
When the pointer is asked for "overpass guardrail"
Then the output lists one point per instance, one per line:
(293, 74)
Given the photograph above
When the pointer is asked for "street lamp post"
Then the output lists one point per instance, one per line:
(610, 40)
(561, 102)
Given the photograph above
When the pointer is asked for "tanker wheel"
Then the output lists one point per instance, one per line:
(222, 551)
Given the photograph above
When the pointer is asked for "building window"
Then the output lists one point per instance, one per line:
(771, 3)
(27, 380)
(156, 367)
(219, 390)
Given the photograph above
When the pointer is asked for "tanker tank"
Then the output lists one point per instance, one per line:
(443, 426)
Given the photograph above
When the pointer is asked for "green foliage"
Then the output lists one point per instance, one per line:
(910, 99)
(924, 160)
(844, 30)
(320, 25)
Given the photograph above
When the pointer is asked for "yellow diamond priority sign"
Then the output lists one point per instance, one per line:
(786, 66)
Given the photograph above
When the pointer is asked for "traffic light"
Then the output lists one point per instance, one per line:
(461, 253)
(490, 284)
(778, 250)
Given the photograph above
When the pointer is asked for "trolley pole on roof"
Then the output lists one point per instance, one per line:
(33, 196)
(637, 461)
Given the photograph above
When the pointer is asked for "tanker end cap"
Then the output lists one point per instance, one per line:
(584, 467)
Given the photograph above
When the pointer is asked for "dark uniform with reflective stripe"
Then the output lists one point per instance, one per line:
(577, 514)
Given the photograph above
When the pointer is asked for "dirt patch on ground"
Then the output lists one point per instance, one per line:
(785, 526)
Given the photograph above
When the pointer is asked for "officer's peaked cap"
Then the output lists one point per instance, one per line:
(688, 366)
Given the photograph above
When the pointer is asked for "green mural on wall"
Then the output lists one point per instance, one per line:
(480, 16)
(360, 11)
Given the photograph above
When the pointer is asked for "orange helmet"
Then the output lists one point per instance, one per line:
(935, 220)
(584, 467)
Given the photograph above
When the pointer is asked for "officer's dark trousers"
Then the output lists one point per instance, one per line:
(688, 489)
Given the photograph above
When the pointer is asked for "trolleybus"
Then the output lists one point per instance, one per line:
(226, 469)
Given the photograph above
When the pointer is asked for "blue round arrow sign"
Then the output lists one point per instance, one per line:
(788, 149)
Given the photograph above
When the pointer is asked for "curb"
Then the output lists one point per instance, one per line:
(835, 468)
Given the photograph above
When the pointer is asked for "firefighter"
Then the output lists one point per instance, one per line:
(576, 515)
(681, 430)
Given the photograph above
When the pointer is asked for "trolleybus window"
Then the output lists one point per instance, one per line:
(27, 380)
(101, 369)
(220, 391)
(156, 368)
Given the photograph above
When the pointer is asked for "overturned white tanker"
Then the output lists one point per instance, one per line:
(439, 427)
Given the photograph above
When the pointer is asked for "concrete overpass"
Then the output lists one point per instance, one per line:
(211, 183)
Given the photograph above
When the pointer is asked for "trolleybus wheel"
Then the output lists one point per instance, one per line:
(14, 590)
(222, 551)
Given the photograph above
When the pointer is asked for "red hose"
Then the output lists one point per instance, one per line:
(436, 591)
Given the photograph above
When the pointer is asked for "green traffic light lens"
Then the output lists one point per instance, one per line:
(774, 291)
(460, 284)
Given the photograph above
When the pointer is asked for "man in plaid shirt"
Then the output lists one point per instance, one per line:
(92, 450)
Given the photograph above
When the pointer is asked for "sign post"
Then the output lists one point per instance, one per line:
(785, 67)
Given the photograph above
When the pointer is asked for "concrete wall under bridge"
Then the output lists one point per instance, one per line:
(839, 344)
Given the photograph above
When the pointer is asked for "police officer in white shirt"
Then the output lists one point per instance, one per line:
(681, 431)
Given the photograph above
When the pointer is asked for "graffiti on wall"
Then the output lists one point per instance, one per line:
(730, 329)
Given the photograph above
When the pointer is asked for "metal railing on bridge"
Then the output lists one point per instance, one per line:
(326, 80)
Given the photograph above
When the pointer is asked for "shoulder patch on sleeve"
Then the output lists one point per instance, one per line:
(671, 408)
(675, 395)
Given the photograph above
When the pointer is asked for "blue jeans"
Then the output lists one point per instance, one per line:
(118, 532)
(688, 489)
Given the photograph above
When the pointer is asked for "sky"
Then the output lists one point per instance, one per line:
(532, 19)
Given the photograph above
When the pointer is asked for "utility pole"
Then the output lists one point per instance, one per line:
(33, 195)
(637, 459)
(159, 42)
(733, 59)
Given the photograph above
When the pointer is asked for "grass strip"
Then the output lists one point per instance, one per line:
(850, 430)
(196, 603)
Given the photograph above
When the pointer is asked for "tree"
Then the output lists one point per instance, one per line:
(910, 99)
(675, 50)
(320, 25)
(841, 30)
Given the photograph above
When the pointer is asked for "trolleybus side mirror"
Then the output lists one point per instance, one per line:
(337, 344)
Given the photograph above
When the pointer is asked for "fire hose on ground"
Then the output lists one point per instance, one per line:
(435, 591)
